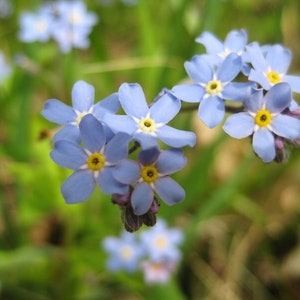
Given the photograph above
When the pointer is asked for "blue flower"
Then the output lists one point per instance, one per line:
(151, 174)
(217, 50)
(83, 103)
(148, 124)
(265, 120)
(125, 252)
(161, 243)
(93, 164)
(212, 87)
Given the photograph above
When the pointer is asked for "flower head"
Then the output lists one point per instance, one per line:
(151, 174)
(93, 164)
(148, 124)
(83, 104)
(265, 119)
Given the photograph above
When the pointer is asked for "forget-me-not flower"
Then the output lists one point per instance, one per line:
(212, 87)
(148, 124)
(151, 174)
(125, 252)
(265, 119)
(93, 163)
(83, 103)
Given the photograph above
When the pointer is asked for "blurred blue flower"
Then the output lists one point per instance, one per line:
(151, 174)
(148, 124)
(6, 8)
(125, 252)
(161, 242)
(264, 119)
(217, 50)
(83, 103)
(93, 164)
(212, 87)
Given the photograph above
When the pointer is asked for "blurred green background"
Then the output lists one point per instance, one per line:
(240, 216)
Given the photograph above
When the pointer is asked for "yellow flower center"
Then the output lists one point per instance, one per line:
(214, 87)
(147, 125)
(161, 242)
(80, 116)
(263, 118)
(95, 161)
(126, 252)
(149, 174)
(273, 77)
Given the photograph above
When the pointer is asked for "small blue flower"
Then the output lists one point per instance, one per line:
(148, 124)
(83, 104)
(217, 50)
(212, 87)
(161, 243)
(151, 174)
(125, 252)
(264, 119)
(93, 164)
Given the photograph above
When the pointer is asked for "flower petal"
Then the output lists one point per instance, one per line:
(108, 184)
(264, 144)
(127, 171)
(259, 77)
(211, 43)
(149, 156)
(69, 133)
(294, 82)
(109, 104)
(254, 101)
(120, 123)
(230, 68)
(146, 140)
(199, 69)
(286, 126)
(170, 161)
(68, 155)
(165, 108)
(117, 148)
(169, 190)
(92, 133)
(236, 40)
(239, 125)
(237, 91)
(82, 96)
(141, 198)
(256, 57)
(175, 137)
(133, 100)
(78, 187)
(58, 112)
(278, 58)
(278, 97)
(211, 111)
(188, 92)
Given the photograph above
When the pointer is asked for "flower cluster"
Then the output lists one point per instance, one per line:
(67, 22)
(268, 112)
(154, 251)
(96, 142)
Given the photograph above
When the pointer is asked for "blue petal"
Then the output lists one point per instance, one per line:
(78, 187)
(253, 102)
(211, 111)
(236, 40)
(169, 190)
(237, 91)
(141, 198)
(239, 125)
(286, 126)
(149, 156)
(199, 69)
(264, 144)
(145, 140)
(230, 68)
(92, 133)
(68, 155)
(170, 161)
(120, 123)
(133, 100)
(108, 184)
(278, 97)
(279, 58)
(294, 82)
(175, 137)
(211, 43)
(127, 171)
(188, 92)
(109, 104)
(57, 112)
(82, 96)
(165, 108)
(69, 133)
(259, 77)
(117, 148)
(256, 57)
